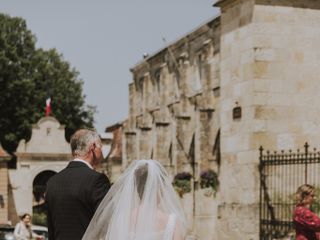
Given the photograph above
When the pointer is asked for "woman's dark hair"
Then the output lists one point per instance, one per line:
(141, 175)
(25, 215)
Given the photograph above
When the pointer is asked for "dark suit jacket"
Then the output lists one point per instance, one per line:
(72, 197)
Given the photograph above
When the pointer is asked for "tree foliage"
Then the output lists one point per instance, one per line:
(27, 75)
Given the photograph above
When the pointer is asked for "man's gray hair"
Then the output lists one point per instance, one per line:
(81, 141)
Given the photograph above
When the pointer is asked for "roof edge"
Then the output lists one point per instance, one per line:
(216, 17)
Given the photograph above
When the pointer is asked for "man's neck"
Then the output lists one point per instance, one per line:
(84, 160)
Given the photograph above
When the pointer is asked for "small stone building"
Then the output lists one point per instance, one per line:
(247, 78)
(46, 153)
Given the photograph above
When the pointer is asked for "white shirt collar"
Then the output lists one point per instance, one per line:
(81, 160)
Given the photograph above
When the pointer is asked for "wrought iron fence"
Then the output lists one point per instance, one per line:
(281, 173)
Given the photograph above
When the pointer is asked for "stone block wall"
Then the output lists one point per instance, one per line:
(4, 192)
(269, 68)
(285, 39)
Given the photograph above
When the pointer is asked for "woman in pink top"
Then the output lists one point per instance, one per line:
(306, 223)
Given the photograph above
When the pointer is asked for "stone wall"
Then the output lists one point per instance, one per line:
(269, 67)
(4, 192)
(286, 54)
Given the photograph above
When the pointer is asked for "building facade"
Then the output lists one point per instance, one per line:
(46, 153)
(208, 101)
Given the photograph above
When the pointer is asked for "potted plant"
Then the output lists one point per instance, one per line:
(209, 180)
(182, 183)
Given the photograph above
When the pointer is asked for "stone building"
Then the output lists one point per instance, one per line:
(209, 100)
(174, 115)
(46, 153)
(4, 158)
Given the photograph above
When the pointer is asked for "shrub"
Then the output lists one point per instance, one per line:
(182, 183)
(39, 219)
(209, 178)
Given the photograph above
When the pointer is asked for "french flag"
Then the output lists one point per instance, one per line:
(48, 106)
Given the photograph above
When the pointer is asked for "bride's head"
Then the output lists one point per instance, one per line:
(149, 180)
(141, 175)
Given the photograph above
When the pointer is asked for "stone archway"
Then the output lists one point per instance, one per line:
(39, 186)
(46, 153)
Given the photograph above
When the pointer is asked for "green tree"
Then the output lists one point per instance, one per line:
(27, 74)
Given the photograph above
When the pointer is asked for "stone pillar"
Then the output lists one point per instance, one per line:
(163, 143)
(207, 136)
(133, 100)
(185, 132)
(145, 144)
(238, 213)
(131, 148)
(4, 186)
(3, 192)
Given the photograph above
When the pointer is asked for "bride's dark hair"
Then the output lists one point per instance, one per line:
(141, 175)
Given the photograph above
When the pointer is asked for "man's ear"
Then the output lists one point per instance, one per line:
(92, 147)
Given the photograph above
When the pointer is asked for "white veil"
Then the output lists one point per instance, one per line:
(137, 206)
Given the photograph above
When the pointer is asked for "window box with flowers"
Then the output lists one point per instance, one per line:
(209, 182)
(182, 183)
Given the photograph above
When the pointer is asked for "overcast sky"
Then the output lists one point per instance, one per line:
(103, 39)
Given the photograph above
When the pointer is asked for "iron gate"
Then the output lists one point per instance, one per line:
(281, 173)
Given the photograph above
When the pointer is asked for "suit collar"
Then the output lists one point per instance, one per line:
(83, 161)
(77, 164)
